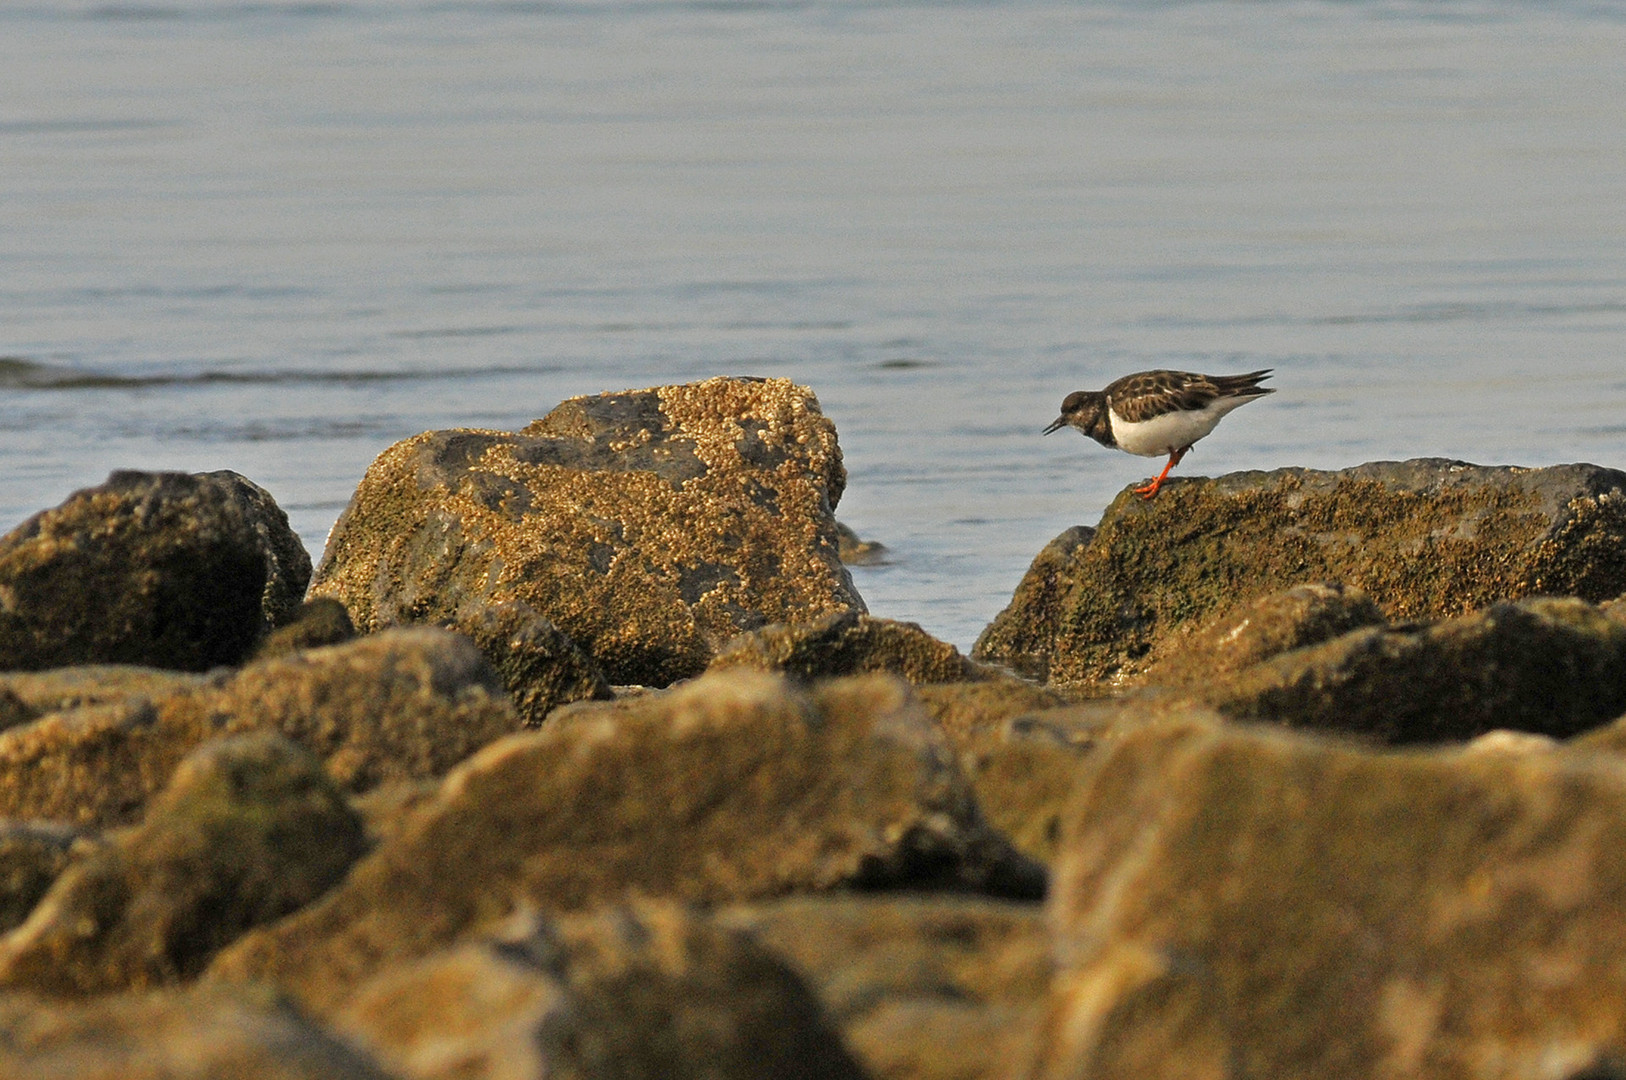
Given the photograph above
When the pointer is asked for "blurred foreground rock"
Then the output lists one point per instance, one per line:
(651, 526)
(922, 987)
(735, 786)
(1232, 902)
(249, 830)
(407, 704)
(1424, 539)
(207, 1033)
(171, 570)
(650, 990)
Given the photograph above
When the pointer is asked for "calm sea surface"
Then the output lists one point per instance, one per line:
(278, 237)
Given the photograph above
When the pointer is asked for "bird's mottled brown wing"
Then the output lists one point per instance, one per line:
(1152, 393)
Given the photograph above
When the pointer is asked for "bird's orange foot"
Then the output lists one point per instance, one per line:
(1150, 489)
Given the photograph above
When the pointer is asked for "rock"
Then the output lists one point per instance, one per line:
(169, 570)
(650, 990)
(1235, 901)
(33, 854)
(192, 1034)
(859, 552)
(539, 665)
(1544, 665)
(249, 830)
(405, 704)
(401, 705)
(1020, 772)
(69, 688)
(922, 987)
(847, 643)
(320, 622)
(734, 786)
(650, 526)
(1260, 629)
(1425, 539)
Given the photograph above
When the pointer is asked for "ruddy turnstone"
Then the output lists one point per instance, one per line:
(1158, 412)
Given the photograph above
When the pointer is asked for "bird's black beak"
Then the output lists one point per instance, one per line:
(1061, 422)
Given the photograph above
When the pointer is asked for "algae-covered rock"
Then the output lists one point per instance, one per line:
(1237, 902)
(1553, 666)
(648, 990)
(196, 1033)
(33, 854)
(847, 643)
(1424, 539)
(734, 786)
(650, 526)
(922, 987)
(536, 661)
(249, 830)
(171, 570)
(402, 705)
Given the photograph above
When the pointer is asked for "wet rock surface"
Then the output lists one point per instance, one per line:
(249, 830)
(734, 786)
(1382, 914)
(651, 526)
(171, 570)
(648, 989)
(1424, 539)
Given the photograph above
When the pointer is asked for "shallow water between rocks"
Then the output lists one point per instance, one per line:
(277, 237)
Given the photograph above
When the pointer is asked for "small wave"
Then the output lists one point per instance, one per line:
(17, 373)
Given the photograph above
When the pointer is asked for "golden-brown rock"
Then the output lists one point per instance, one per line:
(847, 643)
(198, 1033)
(249, 830)
(646, 990)
(406, 704)
(922, 987)
(733, 786)
(650, 526)
(1234, 902)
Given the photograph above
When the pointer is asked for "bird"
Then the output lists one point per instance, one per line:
(1158, 412)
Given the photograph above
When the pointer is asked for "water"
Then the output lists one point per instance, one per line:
(277, 237)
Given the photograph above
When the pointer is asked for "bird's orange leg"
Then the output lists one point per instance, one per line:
(1174, 459)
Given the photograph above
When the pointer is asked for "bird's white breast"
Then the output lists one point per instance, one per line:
(1171, 431)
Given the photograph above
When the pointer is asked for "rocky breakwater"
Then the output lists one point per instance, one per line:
(1185, 841)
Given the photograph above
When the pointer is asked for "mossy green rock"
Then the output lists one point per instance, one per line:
(1425, 539)
(250, 829)
(644, 990)
(1236, 902)
(650, 526)
(171, 570)
(734, 786)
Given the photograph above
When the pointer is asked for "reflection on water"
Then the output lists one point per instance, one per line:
(276, 237)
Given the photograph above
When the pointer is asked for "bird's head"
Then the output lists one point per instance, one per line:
(1083, 409)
